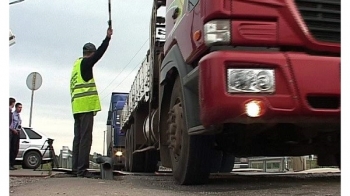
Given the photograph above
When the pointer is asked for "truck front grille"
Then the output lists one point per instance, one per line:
(322, 18)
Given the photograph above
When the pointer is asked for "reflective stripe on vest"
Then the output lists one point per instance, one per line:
(84, 95)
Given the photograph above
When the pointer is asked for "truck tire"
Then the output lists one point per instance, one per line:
(136, 160)
(227, 163)
(338, 160)
(222, 162)
(151, 161)
(190, 155)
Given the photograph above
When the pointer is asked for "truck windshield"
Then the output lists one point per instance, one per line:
(192, 3)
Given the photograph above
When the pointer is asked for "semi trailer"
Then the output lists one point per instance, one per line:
(115, 137)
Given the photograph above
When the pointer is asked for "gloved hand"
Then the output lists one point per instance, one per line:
(109, 32)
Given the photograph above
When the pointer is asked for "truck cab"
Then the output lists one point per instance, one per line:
(261, 77)
(238, 78)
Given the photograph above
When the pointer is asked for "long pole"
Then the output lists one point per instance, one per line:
(104, 139)
(109, 12)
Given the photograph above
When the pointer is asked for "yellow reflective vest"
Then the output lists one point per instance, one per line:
(84, 96)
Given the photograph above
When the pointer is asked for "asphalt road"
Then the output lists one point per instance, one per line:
(302, 184)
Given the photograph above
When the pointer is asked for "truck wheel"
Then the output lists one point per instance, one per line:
(338, 160)
(127, 149)
(222, 162)
(32, 160)
(136, 160)
(190, 155)
(227, 163)
(151, 161)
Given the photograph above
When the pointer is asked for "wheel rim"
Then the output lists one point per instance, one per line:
(33, 160)
(176, 129)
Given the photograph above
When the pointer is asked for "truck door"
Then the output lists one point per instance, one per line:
(175, 10)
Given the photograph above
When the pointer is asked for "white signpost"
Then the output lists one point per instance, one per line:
(34, 81)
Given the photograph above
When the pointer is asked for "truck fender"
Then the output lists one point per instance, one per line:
(173, 65)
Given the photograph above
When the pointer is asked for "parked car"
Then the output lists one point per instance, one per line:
(33, 149)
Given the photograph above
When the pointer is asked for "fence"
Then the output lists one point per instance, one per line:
(270, 164)
(65, 159)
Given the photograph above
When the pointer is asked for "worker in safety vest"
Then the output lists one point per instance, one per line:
(85, 104)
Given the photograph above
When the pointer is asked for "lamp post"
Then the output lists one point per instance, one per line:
(104, 139)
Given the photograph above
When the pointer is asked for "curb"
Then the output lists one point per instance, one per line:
(33, 175)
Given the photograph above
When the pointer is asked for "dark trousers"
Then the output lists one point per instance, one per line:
(14, 147)
(82, 141)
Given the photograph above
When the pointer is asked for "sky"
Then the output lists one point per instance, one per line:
(49, 38)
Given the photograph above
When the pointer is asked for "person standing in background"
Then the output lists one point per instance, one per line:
(12, 131)
(16, 125)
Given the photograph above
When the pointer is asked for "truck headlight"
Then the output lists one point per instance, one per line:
(251, 80)
(217, 32)
(119, 153)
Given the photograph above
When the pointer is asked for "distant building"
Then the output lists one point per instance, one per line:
(65, 159)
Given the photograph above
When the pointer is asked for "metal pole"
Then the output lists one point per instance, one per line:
(31, 101)
(109, 12)
(31, 109)
(104, 138)
(310, 163)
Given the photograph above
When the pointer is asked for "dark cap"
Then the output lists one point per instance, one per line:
(89, 47)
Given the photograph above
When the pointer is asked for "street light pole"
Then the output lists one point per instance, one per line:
(104, 138)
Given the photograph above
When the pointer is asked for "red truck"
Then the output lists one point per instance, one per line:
(235, 78)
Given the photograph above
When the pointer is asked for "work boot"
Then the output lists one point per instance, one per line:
(13, 168)
(74, 172)
(88, 174)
